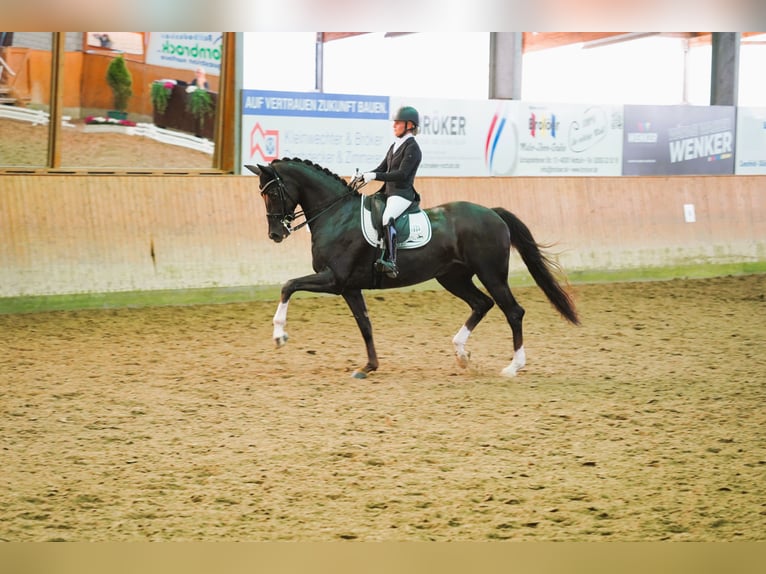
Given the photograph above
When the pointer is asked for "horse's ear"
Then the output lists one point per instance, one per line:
(255, 169)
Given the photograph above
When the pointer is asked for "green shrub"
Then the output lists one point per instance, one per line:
(160, 96)
(200, 105)
(119, 79)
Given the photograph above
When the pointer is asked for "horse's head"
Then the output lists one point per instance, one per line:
(289, 182)
(280, 206)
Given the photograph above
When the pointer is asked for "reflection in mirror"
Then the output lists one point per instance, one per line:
(134, 101)
(25, 78)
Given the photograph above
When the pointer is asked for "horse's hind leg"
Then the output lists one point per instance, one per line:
(497, 285)
(461, 285)
(355, 301)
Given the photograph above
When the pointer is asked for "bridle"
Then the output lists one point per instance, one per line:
(282, 196)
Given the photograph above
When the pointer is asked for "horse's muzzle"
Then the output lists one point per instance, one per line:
(276, 237)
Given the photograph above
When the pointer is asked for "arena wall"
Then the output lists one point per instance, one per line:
(69, 234)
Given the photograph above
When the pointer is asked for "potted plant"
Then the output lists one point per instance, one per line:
(200, 105)
(119, 79)
(160, 95)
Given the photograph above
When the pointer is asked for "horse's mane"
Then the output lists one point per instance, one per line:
(318, 167)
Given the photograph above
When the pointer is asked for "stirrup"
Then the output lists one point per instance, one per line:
(387, 267)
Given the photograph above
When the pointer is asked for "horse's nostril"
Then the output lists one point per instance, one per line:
(275, 237)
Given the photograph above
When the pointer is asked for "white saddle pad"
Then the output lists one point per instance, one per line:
(420, 230)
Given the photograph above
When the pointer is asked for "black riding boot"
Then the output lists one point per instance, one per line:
(387, 262)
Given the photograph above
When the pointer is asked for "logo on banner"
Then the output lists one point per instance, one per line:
(588, 130)
(443, 125)
(643, 133)
(540, 125)
(711, 140)
(264, 142)
(501, 146)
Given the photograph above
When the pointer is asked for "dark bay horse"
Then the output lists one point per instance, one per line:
(467, 240)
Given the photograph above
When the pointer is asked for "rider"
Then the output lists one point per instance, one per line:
(397, 170)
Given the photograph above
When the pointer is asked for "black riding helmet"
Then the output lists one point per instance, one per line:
(407, 114)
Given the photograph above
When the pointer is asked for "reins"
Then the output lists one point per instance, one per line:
(321, 212)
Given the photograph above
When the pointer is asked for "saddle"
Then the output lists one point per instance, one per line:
(413, 228)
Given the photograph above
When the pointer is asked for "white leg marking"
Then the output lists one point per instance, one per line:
(459, 342)
(518, 362)
(280, 319)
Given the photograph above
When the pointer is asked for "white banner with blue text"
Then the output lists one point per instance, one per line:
(751, 141)
(459, 138)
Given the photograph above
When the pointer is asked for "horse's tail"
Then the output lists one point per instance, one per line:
(539, 265)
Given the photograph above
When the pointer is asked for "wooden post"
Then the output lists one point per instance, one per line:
(56, 99)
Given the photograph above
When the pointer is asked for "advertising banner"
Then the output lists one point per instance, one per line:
(186, 51)
(569, 140)
(479, 138)
(128, 42)
(464, 138)
(340, 132)
(679, 140)
(751, 141)
(459, 138)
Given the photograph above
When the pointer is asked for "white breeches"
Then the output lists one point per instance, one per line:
(395, 206)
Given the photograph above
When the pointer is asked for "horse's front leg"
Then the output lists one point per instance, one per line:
(280, 319)
(355, 301)
(322, 282)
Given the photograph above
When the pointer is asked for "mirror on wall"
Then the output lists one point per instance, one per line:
(25, 85)
(129, 100)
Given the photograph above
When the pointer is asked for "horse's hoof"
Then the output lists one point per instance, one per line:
(463, 359)
(518, 363)
(363, 372)
(511, 370)
(280, 341)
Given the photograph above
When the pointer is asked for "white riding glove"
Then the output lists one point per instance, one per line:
(369, 176)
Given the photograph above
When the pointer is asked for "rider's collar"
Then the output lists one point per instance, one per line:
(399, 141)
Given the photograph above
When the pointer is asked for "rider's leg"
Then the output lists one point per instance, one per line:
(395, 206)
(388, 262)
